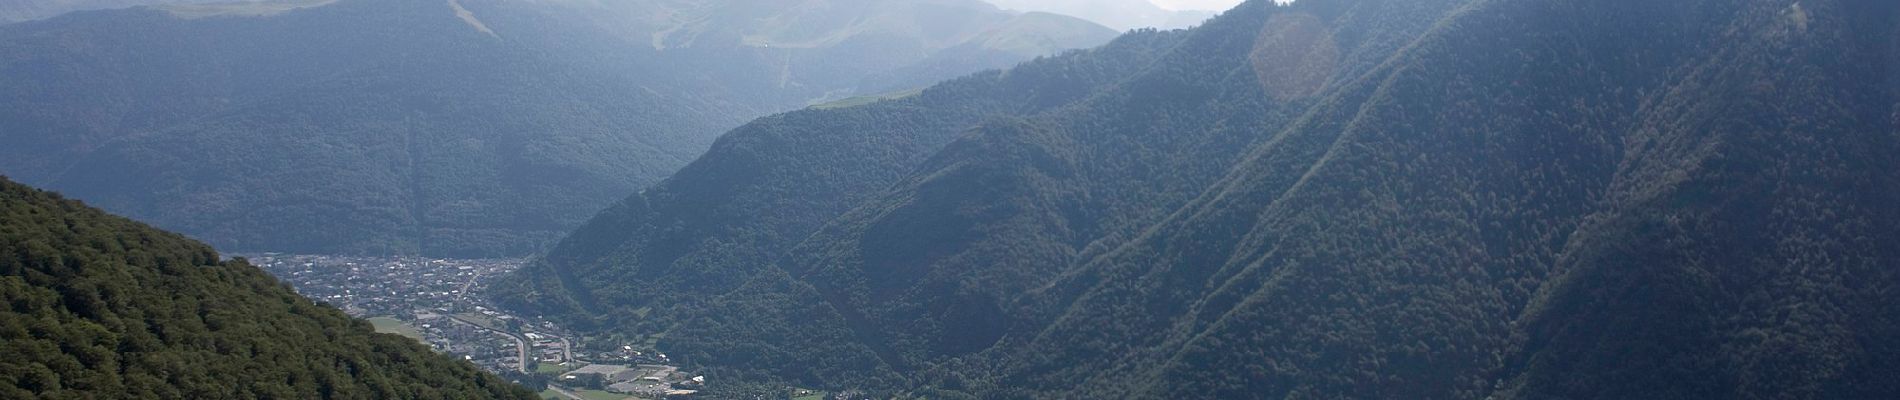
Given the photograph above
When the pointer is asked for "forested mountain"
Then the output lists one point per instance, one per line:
(463, 127)
(1510, 199)
(99, 306)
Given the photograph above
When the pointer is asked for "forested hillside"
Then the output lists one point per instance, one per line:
(103, 307)
(1331, 199)
(465, 128)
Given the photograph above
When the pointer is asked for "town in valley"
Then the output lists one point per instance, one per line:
(440, 302)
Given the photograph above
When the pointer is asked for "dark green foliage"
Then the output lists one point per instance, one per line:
(1333, 199)
(395, 127)
(713, 225)
(99, 306)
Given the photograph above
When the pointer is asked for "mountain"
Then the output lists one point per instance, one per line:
(27, 10)
(104, 307)
(466, 128)
(1118, 14)
(1510, 199)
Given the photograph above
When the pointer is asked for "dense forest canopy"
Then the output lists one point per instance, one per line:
(101, 307)
(1510, 199)
(466, 128)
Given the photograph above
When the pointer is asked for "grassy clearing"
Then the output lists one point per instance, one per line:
(550, 369)
(862, 100)
(550, 394)
(601, 395)
(396, 326)
(813, 394)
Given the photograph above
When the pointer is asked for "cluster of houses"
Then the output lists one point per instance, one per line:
(439, 301)
(553, 349)
(646, 380)
(428, 295)
(627, 355)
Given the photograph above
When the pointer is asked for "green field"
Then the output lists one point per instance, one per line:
(585, 394)
(601, 395)
(815, 395)
(549, 369)
(862, 100)
(396, 326)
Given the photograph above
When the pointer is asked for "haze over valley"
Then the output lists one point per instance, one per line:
(1128, 14)
(460, 128)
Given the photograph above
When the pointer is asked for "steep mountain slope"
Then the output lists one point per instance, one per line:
(1746, 247)
(104, 307)
(750, 191)
(1338, 199)
(471, 127)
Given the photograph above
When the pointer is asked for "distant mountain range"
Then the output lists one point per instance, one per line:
(101, 307)
(1456, 199)
(444, 127)
(26, 10)
(1118, 14)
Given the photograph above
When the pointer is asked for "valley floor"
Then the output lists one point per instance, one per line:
(441, 302)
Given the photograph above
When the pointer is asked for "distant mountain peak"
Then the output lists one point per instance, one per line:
(1118, 14)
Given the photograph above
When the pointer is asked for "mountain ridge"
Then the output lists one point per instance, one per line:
(1443, 199)
(320, 131)
(1120, 14)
